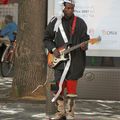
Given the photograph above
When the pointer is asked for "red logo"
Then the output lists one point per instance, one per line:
(4, 1)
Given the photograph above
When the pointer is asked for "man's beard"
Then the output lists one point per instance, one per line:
(68, 16)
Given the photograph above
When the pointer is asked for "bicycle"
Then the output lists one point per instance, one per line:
(7, 60)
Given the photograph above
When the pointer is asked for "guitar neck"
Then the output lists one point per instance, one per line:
(74, 47)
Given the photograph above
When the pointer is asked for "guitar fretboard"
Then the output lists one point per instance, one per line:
(92, 41)
(74, 47)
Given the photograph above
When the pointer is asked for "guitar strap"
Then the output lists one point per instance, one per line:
(65, 71)
(73, 25)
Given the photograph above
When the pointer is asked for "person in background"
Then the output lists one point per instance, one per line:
(72, 30)
(7, 33)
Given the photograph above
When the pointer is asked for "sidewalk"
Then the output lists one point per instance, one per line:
(31, 110)
(85, 110)
(5, 86)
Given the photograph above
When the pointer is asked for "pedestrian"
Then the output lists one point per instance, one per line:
(7, 33)
(68, 30)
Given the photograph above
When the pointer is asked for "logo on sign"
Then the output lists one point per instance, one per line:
(109, 32)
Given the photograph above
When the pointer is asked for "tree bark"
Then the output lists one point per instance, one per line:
(30, 60)
(50, 107)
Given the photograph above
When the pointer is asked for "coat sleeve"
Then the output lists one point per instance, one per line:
(84, 36)
(50, 35)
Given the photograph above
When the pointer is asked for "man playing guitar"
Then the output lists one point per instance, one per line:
(70, 30)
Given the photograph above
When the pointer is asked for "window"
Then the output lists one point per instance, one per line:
(103, 62)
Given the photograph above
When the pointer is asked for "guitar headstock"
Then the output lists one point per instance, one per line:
(95, 40)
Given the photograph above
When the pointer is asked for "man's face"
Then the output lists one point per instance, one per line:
(69, 9)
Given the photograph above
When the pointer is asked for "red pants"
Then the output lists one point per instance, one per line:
(70, 85)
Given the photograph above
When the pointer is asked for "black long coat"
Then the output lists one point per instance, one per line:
(54, 39)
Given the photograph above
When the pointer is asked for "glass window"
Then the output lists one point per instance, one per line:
(93, 61)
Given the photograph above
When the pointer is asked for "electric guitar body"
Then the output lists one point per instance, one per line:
(53, 61)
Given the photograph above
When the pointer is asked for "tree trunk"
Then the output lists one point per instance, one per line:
(50, 107)
(30, 61)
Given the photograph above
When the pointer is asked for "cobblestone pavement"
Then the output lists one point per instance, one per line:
(5, 86)
(85, 109)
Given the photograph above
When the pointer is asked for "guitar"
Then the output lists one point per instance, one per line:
(53, 61)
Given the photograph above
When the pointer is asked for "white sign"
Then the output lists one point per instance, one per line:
(102, 18)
